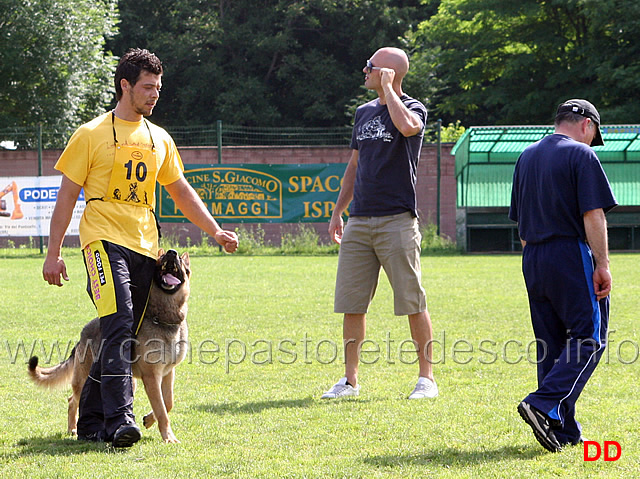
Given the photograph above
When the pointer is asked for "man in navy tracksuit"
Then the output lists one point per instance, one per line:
(559, 198)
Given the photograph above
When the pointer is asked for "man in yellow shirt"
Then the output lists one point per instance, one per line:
(117, 158)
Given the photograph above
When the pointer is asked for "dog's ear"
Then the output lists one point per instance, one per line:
(185, 259)
(160, 253)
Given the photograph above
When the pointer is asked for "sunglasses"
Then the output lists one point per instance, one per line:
(370, 67)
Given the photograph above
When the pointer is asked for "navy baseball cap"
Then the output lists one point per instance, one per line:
(586, 109)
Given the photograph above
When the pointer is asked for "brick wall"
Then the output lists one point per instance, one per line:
(25, 163)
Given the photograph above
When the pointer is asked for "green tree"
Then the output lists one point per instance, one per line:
(506, 62)
(261, 62)
(53, 68)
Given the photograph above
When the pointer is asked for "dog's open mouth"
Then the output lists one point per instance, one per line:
(170, 280)
(169, 273)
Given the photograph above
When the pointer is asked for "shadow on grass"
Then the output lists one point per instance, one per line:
(453, 457)
(259, 406)
(64, 445)
(254, 407)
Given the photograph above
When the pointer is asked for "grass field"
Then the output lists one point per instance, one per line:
(265, 344)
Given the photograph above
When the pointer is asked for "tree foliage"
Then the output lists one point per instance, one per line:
(299, 62)
(506, 62)
(261, 62)
(53, 67)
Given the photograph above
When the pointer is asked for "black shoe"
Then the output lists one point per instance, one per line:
(540, 425)
(97, 436)
(126, 436)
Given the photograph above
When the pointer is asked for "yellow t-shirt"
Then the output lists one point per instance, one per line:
(88, 161)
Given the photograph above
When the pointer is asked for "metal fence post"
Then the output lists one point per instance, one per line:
(219, 131)
(39, 133)
(438, 175)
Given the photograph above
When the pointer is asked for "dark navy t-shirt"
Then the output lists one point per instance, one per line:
(387, 161)
(555, 182)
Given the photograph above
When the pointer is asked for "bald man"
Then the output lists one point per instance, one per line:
(379, 184)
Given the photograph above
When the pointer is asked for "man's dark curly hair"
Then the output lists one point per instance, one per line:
(132, 63)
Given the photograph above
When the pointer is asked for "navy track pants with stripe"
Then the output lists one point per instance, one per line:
(570, 326)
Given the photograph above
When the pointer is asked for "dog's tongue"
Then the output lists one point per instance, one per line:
(170, 279)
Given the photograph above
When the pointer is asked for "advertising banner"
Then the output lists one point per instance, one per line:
(242, 193)
(26, 205)
(257, 193)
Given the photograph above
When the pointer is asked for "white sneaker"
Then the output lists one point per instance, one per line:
(341, 389)
(426, 388)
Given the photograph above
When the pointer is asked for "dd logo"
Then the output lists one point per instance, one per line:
(598, 450)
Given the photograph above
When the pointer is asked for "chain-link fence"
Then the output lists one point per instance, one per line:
(30, 138)
(219, 134)
(233, 135)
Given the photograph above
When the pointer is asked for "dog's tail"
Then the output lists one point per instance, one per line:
(56, 376)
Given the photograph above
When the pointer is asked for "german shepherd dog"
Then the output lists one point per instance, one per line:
(161, 344)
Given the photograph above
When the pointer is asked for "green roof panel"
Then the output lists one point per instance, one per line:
(481, 146)
(485, 157)
(634, 146)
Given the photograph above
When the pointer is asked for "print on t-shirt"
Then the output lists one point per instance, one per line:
(374, 129)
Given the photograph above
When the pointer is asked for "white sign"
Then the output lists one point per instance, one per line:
(26, 205)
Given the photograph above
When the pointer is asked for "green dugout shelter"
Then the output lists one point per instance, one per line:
(485, 159)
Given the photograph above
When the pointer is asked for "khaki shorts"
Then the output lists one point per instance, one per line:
(392, 242)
